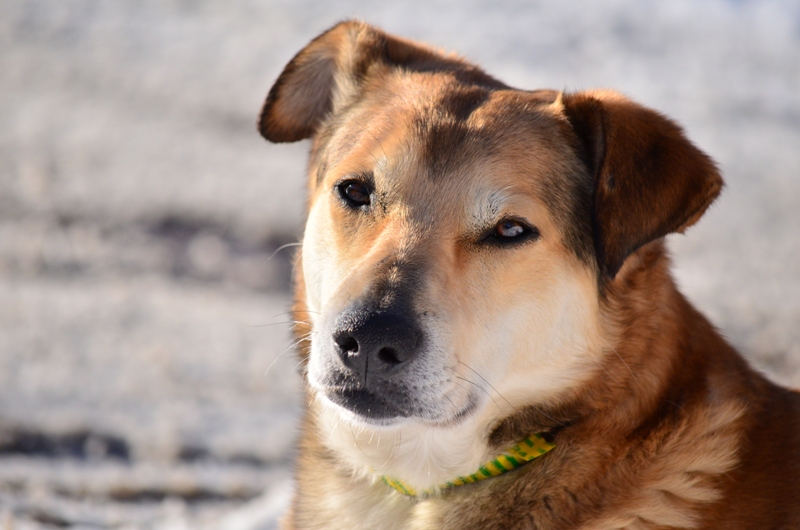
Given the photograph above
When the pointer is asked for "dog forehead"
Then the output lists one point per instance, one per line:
(441, 126)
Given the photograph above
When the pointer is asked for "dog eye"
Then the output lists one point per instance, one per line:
(355, 193)
(510, 231)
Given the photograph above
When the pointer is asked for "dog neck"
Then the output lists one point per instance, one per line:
(529, 448)
(422, 456)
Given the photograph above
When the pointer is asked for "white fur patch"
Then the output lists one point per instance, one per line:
(422, 456)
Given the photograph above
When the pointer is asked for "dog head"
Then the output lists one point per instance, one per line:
(461, 234)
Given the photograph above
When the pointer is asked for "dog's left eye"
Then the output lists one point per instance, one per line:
(355, 193)
(510, 231)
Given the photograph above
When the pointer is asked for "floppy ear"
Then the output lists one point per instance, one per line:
(330, 72)
(649, 180)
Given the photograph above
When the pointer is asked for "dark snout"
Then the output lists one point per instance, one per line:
(376, 345)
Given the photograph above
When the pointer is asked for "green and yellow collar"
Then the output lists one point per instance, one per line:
(531, 447)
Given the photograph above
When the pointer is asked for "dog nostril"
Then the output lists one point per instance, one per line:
(388, 356)
(347, 344)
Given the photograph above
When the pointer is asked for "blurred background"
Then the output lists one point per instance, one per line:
(147, 377)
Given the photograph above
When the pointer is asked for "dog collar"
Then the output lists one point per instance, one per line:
(518, 455)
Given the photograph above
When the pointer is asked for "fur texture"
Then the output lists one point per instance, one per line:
(482, 263)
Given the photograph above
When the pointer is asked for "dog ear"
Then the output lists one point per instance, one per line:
(321, 76)
(330, 72)
(649, 180)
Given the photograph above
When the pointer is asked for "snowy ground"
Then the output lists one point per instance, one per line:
(143, 382)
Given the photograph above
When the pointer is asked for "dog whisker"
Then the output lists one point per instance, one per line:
(293, 322)
(395, 446)
(496, 404)
(355, 440)
(291, 311)
(278, 357)
(287, 245)
(542, 412)
(602, 366)
(490, 385)
(333, 429)
(268, 325)
(624, 363)
(455, 409)
(294, 344)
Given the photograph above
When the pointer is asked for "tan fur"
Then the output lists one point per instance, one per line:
(468, 343)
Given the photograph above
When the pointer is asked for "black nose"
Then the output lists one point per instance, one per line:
(376, 345)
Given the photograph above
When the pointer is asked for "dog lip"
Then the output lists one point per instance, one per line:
(364, 403)
(371, 407)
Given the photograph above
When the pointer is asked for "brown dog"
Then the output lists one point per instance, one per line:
(483, 280)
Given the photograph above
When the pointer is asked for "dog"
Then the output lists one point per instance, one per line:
(489, 332)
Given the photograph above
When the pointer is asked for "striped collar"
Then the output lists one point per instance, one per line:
(526, 450)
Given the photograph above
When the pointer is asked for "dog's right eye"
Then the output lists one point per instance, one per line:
(355, 193)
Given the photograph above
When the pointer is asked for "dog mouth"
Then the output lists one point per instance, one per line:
(373, 408)
(365, 404)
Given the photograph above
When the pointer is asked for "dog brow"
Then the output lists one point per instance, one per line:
(489, 206)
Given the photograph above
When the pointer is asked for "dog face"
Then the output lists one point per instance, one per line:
(461, 233)
(422, 270)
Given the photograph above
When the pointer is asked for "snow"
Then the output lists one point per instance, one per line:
(146, 372)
